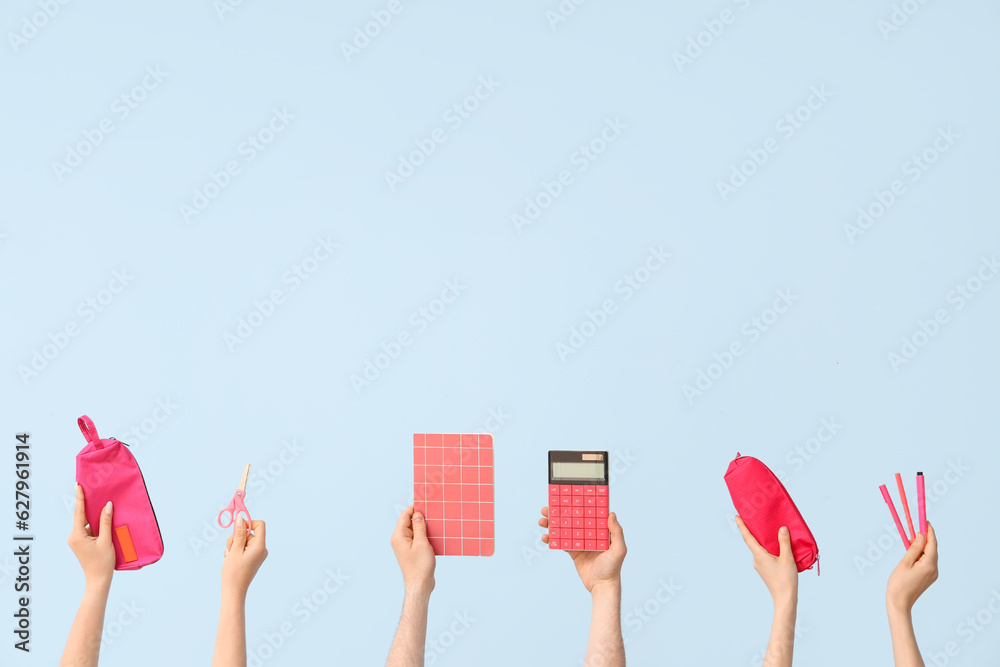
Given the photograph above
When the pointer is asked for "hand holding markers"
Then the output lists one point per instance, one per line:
(914, 574)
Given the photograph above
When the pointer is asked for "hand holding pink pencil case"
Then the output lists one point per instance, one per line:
(106, 470)
(765, 506)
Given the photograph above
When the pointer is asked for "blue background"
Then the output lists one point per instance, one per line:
(333, 503)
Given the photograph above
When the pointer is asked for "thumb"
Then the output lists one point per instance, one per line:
(616, 533)
(916, 548)
(239, 534)
(104, 532)
(419, 527)
(784, 543)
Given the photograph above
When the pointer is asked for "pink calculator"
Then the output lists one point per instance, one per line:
(578, 500)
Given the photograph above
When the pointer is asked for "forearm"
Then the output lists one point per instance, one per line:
(605, 645)
(231, 639)
(782, 641)
(83, 646)
(904, 641)
(411, 634)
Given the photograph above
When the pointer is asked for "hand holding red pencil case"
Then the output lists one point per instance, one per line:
(765, 506)
(106, 470)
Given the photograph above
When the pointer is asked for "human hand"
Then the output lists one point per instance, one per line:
(915, 573)
(96, 554)
(597, 567)
(245, 553)
(414, 552)
(780, 574)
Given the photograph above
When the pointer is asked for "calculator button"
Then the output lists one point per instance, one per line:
(553, 511)
(602, 501)
(602, 490)
(565, 501)
(553, 489)
(589, 489)
(578, 535)
(590, 523)
(578, 489)
(590, 511)
(554, 544)
(579, 545)
(602, 513)
(591, 545)
(577, 512)
(566, 522)
(578, 523)
(566, 490)
(602, 545)
(577, 500)
(553, 532)
(590, 534)
(602, 534)
(590, 500)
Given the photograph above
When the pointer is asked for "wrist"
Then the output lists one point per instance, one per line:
(607, 587)
(234, 594)
(98, 583)
(898, 608)
(785, 601)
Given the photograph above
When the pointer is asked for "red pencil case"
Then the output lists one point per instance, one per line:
(765, 506)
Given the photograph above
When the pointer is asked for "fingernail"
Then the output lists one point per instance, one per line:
(417, 517)
(784, 530)
(239, 520)
(107, 508)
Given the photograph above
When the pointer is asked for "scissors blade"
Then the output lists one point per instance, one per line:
(243, 481)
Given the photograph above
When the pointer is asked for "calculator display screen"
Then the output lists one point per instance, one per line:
(577, 470)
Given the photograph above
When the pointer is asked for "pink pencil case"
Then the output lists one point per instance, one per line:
(106, 470)
(765, 506)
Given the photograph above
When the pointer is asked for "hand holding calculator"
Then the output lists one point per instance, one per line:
(578, 500)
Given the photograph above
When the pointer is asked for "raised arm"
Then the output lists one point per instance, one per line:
(416, 561)
(781, 577)
(245, 552)
(600, 572)
(97, 558)
(914, 575)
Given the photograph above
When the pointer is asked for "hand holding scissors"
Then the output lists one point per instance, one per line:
(237, 506)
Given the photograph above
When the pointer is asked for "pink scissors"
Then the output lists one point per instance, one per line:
(237, 506)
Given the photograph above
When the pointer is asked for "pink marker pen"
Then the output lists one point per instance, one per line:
(895, 516)
(921, 504)
(906, 506)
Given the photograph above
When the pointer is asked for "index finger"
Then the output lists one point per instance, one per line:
(930, 548)
(79, 513)
(404, 522)
(748, 537)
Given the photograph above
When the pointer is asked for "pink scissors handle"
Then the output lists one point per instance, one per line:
(235, 507)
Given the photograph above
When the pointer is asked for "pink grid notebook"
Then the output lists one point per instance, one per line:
(453, 489)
